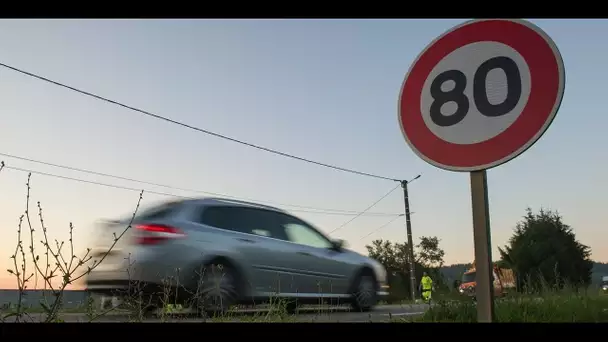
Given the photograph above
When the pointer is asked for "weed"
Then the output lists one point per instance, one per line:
(54, 266)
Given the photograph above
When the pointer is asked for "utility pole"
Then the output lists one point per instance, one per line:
(410, 242)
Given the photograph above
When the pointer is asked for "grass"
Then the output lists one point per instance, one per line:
(58, 266)
(549, 306)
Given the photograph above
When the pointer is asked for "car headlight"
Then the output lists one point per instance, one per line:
(379, 270)
(605, 287)
(461, 290)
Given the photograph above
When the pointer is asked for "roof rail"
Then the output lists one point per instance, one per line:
(253, 204)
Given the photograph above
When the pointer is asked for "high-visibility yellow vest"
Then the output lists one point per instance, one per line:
(427, 283)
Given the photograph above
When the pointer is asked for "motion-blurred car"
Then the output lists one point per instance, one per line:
(212, 253)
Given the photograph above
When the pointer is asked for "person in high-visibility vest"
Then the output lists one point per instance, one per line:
(426, 287)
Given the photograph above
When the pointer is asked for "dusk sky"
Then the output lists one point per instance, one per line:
(325, 90)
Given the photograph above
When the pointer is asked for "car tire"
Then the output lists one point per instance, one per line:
(217, 290)
(364, 296)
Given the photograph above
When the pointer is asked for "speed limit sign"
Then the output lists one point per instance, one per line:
(481, 94)
(476, 97)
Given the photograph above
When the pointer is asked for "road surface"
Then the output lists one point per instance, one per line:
(383, 313)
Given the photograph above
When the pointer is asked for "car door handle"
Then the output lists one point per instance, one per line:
(304, 253)
(245, 240)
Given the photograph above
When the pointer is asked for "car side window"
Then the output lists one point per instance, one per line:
(302, 234)
(218, 217)
(243, 220)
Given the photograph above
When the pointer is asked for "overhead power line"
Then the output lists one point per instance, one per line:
(366, 209)
(382, 226)
(205, 131)
(71, 168)
(319, 211)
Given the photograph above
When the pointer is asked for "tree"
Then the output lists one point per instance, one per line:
(429, 254)
(393, 256)
(428, 257)
(544, 250)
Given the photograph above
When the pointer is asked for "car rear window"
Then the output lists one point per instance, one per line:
(157, 211)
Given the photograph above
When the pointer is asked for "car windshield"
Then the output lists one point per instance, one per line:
(468, 277)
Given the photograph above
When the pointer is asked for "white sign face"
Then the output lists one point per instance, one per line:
(498, 88)
(481, 94)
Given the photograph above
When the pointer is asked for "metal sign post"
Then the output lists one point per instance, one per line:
(483, 246)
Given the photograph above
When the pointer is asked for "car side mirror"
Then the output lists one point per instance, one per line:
(339, 244)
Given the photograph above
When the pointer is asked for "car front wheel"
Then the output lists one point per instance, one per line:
(365, 296)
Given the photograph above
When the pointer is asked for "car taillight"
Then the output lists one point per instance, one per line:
(153, 234)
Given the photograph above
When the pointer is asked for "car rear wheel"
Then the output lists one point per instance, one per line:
(365, 296)
(217, 289)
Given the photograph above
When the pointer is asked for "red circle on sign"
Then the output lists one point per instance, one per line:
(546, 91)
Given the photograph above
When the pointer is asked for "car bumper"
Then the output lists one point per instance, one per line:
(104, 278)
(111, 282)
